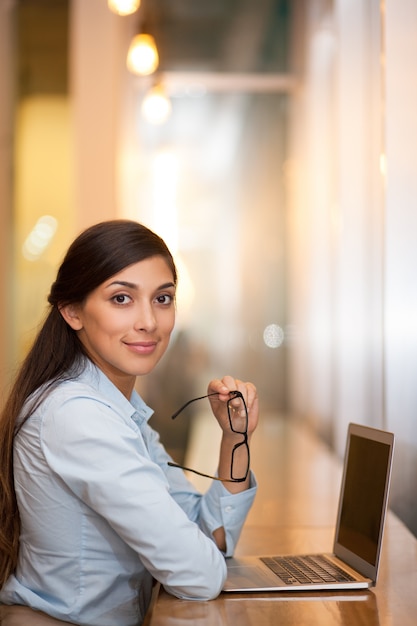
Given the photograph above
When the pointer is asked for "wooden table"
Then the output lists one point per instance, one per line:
(295, 510)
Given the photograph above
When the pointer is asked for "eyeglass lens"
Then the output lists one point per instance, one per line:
(238, 421)
(238, 415)
(240, 450)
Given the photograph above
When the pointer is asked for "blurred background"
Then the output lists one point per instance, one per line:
(278, 164)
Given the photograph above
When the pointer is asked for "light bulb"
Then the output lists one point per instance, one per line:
(156, 106)
(142, 57)
(123, 7)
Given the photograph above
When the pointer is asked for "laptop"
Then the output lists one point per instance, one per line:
(354, 562)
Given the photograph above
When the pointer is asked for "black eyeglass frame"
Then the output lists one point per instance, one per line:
(232, 479)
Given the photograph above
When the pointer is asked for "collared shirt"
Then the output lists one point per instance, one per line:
(102, 513)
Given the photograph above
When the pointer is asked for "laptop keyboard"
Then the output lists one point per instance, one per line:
(314, 569)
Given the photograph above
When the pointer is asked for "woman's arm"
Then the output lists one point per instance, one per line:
(105, 463)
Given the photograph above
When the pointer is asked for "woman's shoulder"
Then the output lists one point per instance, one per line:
(87, 385)
(91, 385)
(88, 396)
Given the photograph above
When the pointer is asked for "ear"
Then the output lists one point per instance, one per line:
(70, 313)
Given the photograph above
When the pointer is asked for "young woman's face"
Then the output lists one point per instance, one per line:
(125, 324)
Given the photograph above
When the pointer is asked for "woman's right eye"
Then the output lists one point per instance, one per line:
(121, 298)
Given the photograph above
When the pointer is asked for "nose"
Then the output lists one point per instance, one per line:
(145, 318)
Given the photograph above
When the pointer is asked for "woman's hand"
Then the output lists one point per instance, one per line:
(219, 403)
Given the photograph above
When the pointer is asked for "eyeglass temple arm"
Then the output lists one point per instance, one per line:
(234, 394)
(223, 480)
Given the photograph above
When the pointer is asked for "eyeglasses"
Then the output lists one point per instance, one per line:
(238, 421)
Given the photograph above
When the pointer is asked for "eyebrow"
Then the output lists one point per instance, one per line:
(125, 283)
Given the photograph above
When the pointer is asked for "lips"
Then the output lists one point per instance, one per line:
(142, 347)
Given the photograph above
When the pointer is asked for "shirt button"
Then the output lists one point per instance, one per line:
(228, 509)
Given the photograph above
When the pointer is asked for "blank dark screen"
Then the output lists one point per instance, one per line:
(363, 500)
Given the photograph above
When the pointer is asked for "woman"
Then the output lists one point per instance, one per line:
(91, 510)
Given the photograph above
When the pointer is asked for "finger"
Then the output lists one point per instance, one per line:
(252, 394)
(244, 388)
(230, 382)
(219, 387)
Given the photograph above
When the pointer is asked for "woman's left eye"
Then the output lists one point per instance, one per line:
(164, 298)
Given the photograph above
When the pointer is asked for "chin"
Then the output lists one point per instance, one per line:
(145, 369)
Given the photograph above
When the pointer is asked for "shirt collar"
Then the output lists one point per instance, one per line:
(138, 410)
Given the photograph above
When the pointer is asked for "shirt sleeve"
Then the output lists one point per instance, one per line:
(105, 462)
(216, 508)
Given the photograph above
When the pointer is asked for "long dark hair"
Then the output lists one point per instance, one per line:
(57, 354)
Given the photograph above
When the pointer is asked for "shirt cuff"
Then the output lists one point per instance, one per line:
(229, 510)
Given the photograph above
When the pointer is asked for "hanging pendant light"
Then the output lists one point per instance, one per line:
(156, 106)
(142, 57)
(123, 7)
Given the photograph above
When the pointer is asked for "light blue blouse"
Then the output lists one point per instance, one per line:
(103, 514)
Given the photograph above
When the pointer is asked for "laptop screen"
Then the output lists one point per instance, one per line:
(365, 491)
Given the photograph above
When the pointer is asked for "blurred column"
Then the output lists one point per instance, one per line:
(6, 174)
(97, 69)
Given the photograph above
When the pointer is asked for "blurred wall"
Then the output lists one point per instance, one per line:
(400, 247)
(353, 227)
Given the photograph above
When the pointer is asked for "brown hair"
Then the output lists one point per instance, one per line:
(56, 354)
